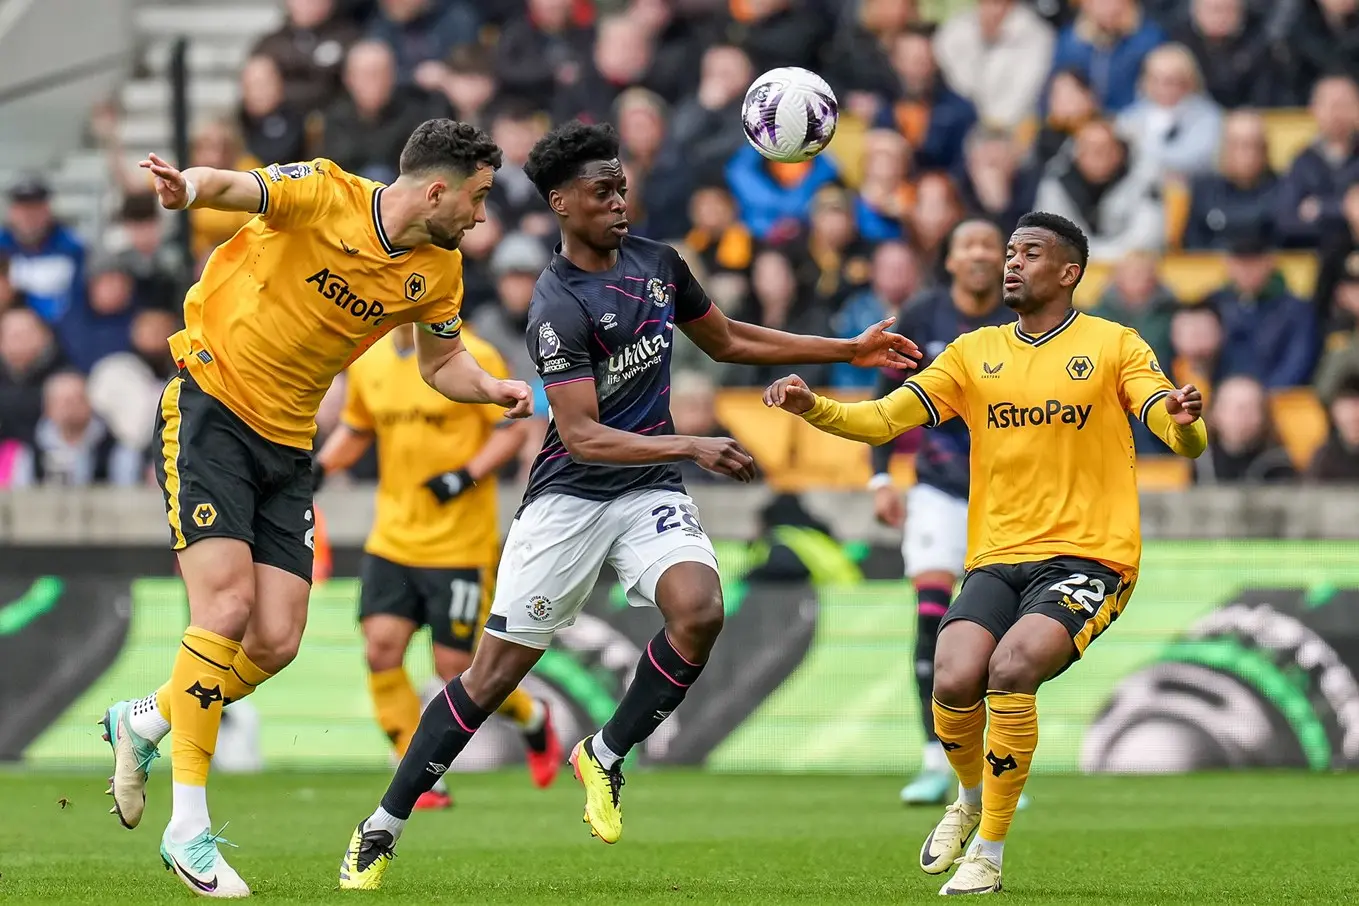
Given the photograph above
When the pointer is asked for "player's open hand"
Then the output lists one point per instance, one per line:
(790, 394)
(725, 457)
(514, 396)
(888, 507)
(1185, 405)
(876, 348)
(171, 188)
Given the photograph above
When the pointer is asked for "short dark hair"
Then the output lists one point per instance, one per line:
(559, 155)
(957, 228)
(444, 144)
(1068, 234)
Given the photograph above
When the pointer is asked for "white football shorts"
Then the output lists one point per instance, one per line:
(556, 546)
(935, 539)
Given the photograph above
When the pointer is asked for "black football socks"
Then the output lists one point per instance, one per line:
(448, 724)
(662, 678)
(931, 605)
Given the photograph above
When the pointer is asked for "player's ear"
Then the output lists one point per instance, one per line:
(1071, 273)
(556, 200)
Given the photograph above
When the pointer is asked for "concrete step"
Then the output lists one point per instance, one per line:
(242, 20)
(154, 95)
(212, 54)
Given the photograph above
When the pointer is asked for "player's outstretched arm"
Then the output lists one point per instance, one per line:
(1178, 421)
(870, 422)
(575, 412)
(342, 449)
(725, 340)
(205, 187)
(448, 367)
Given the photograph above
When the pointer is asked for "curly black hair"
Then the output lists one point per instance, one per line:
(1068, 234)
(559, 155)
(444, 144)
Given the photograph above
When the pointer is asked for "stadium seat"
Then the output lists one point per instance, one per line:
(1193, 275)
(1176, 200)
(1302, 423)
(829, 461)
(1288, 133)
(1163, 473)
(766, 433)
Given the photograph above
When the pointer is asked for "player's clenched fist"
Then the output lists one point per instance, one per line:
(791, 394)
(1185, 405)
(514, 396)
(724, 456)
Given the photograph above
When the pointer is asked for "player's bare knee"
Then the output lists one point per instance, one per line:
(225, 611)
(383, 653)
(694, 623)
(1014, 669)
(274, 651)
(957, 683)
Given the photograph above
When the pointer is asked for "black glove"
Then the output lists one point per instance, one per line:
(448, 485)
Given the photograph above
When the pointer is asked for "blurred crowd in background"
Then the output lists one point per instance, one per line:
(1149, 124)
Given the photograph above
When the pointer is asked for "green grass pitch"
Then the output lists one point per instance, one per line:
(703, 838)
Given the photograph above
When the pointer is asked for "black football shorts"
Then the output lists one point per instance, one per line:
(223, 480)
(1085, 596)
(453, 603)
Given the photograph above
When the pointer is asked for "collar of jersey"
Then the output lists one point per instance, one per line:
(391, 250)
(558, 255)
(1043, 338)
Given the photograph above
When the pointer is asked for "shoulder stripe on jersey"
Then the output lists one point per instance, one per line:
(1040, 340)
(391, 250)
(925, 399)
(264, 192)
(1151, 401)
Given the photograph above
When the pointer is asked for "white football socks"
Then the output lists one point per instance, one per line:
(189, 817)
(146, 720)
(606, 757)
(995, 851)
(970, 796)
(385, 820)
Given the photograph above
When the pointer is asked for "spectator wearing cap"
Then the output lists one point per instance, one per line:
(1243, 441)
(71, 447)
(1240, 194)
(46, 259)
(997, 56)
(515, 266)
(1337, 460)
(1309, 201)
(423, 32)
(103, 324)
(1107, 44)
(29, 354)
(1270, 335)
(1098, 187)
(156, 264)
(933, 118)
(309, 51)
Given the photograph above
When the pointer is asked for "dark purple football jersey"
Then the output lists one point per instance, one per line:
(615, 328)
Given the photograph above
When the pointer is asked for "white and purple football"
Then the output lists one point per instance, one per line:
(790, 114)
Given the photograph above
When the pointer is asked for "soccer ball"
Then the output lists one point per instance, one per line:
(790, 114)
